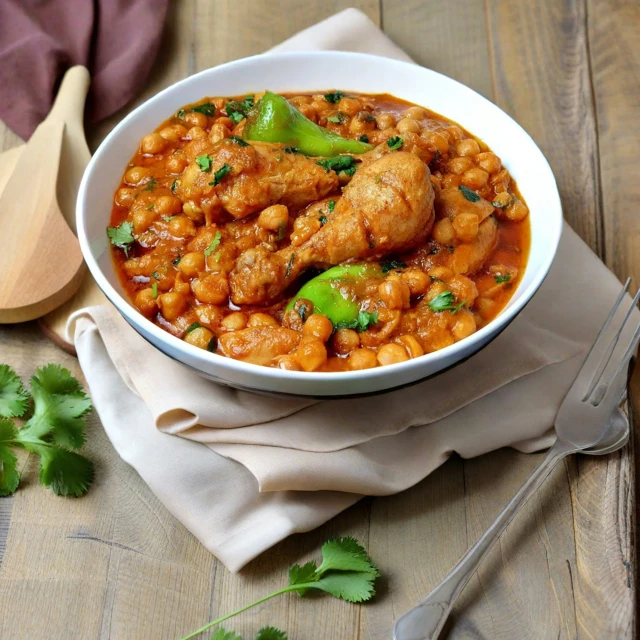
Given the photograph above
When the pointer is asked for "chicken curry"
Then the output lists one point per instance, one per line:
(328, 232)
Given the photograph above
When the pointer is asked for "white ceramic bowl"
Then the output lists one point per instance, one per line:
(316, 71)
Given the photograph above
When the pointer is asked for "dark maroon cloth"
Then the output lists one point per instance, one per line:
(40, 39)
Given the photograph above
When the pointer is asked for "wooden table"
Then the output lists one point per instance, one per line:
(115, 564)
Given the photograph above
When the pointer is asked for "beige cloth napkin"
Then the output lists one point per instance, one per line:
(269, 466)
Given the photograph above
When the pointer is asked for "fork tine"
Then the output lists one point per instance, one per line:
(603, 346)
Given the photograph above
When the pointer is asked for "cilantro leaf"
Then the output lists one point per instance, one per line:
(174, 186)
(214, 243)
(364, 138)
(237, 110)
(445, 302)
(122, 236)
(352, 586)
(290, 265)
(390, 265)
(14, 398)
(338, 164)
(239, 141)
(206, 107)
(9, 476)
(334, 96)
(470, 195)
(222, 634)
(395, 142)
(60, 405)
(180, 114)
(220, 174)
(192, 327)
(151, 185)
(303, 574)
(345, 554)
(270, 633)
(502, 278)
(204, 162)
(331, 206)
(323, 220)
(339, 118)
(361, 323)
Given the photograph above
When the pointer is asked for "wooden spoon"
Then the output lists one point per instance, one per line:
(40, 259)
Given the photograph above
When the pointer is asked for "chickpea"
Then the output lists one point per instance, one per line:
(209, 315)
(344, 341)
(413, 347)
(125, 196)
(450, 180)
(173, 132)
(395, 293)
(452, 133)
(212, 289)
(135, 175)
(385, 121)
(274, 218)
(318, 326)
(488, 161)
(180, 285)
(234, 321)
(176, 163)
(502, 199)
(516, 211)
(308, 112)
(262, 320)
(465, 325)
(146, 303)
(408, 125)
(191, 264)
(142, 220)
(168, 205)
(288, 363)
(417, 281)
(182, 227)
(153, 143)
(486, 308)
(362, 123)
(362, 359)
(303, 228)
(196, 133)
(218, 132)
(500, 181)
(195, 119)
(475, 178)
(441, 273)
(192, 211)
(417, 113)
(467, 147)
(463, 288)
(350, 106)
(459, 165)
(201, 338)
(444, 231)
(298, 101)
(466, 226)
(311, 354)
(172, 304)
(435, 141)
(391, 354)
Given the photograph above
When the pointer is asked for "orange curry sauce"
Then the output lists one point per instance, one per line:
(192, 301)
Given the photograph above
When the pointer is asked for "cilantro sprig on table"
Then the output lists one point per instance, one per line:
(266, 633)
(346, 572)
(54, 431)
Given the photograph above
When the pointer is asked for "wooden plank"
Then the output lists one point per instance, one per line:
(540, 61)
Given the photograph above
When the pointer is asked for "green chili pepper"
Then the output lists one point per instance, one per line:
(324, 291)
(273, 119)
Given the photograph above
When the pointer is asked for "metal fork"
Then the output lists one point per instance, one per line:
(581, 422)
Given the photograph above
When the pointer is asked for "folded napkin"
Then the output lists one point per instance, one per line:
(248, 470)
(116, 39)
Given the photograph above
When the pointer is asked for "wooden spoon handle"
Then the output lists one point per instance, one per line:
(72, 95)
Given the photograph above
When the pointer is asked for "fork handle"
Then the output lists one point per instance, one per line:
(426, 620)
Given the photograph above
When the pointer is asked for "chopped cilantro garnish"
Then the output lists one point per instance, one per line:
(121, 236)
(445, 302)
(502, 278)
(364, 138)
(150, 207)
(155, 275)
(361, 323)
(206, 107)
(290, 149)
(302, 312)
(220, 174)
(180, 114)
(204, 162)
(339, 118)
(176, 262)
(151, 185)
(334, 96)
(338, 164)
(331, 206)
(154, 290)
(174, 186)
(237, 110)
(168, 218)
(390, 265)
(213, 344)
(470, 195)
(191, 327)
(323, 220)
(239, 141)
(395, 142)
(214, 244)
(290, 265)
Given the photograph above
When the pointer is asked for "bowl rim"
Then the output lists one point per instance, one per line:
(134, 317)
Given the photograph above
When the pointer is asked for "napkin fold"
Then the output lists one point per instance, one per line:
(116, 39)
(248, 470)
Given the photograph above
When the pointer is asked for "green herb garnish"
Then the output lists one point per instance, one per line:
(192, 327)
(151, 185)
(331, 206)
(168, 218)
(180, 114)
(239, 141)
(214, 244)
(237, 110)
(302, 312)
(176, 262)
(174, 186)
(154, 290)
(445, 302)
(395, 142)
(334, 96)
(502, 278)
(323, 220)
(290, 265)
(338, 164)
(390, 265)
(206, 107)
(122, 236)
(204, 162)
(339, 118)
(361, 323)
(470, 195)
(224, 170)
(364, 138)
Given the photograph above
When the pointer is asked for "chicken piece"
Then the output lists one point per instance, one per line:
(451, 202)
(468, 258)
(260, 174)
(411, 143)
(387, 208)
(259, 345)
